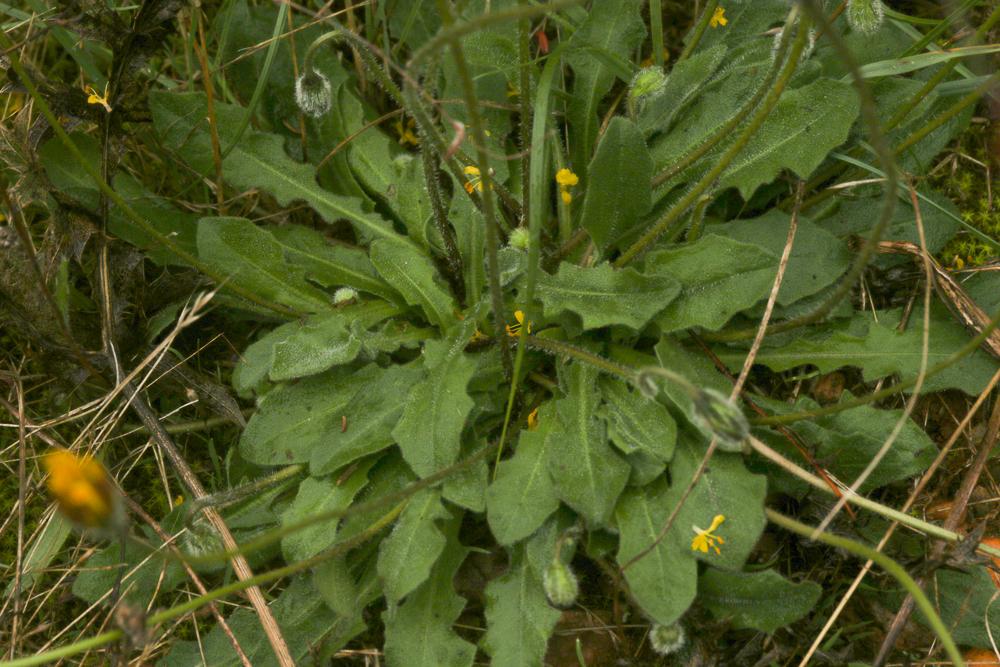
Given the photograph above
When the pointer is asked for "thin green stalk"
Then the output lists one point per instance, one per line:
(483, 163)
(878, 141)
(535, 214)
(559, 348)
(525, 101)
(892, 568)
(258, 91)
(761, 114)
(727, 129)
(452, 256)
(656, 31)
(962, 352)
(196, 603)
(952, 111)
(699, 30)
(118, 200)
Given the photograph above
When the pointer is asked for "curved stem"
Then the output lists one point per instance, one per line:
(678, 209)
(892, 568)
(699, 30)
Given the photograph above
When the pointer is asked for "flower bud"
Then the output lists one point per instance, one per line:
(667, 639)
(717, 414)
(646, 83)
(344, 295)
(313, 93)
(865, 16)
(647, 384)
(560, 584)
(200, 538)
(520, 238)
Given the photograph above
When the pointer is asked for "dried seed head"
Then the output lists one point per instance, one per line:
(313, 93)
(667, 639)
(865, 16)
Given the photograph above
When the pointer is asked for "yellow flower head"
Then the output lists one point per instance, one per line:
(405, 132)
(513, 330)
(533, 420)
(718, 18)
(93, 97)
(705, 539)
(566, 179)
(80, 486)
(475, 179)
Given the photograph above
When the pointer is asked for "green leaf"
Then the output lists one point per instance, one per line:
(413, 274)
(919, 61)
(519, 620)
(817, 259)
(847, 441)
(619, 193)
(370, 417)
(727, 488)
(258, 161)
(967, 604)
(330, 264)
(686, 80)
(522, 495)
(719, 277)
(253, 260)
(603, 296)
(587, 474)
(665, 580)
(878, 349)
(762, 601)
(430, 430)
(638, 426)
(317, 495)
(407, 554)
(295, 419)
(418, 633)
(805, 125)
(612, 26)
(467, 487)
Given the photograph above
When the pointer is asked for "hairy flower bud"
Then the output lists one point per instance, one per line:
(667, 639)
(647, 82)
(865, 16)
(344, 295)
(313, 93)
(717, 414)
(560, 584)
(520, 238)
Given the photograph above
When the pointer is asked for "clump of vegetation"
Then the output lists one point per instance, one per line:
(449, 332)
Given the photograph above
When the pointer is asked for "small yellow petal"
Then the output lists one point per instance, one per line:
(533, 420)
(566, 177)
(718, 18)
(566, 197)
(471, 170)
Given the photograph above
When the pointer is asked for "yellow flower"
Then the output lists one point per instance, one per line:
(475, 180)
(405, 132)
(565, 177)
(718, 18)
(80, 486)
(705, 539)
(516, 329)
(94, 97)
(533, 420)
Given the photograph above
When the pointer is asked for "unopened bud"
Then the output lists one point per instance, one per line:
(344, 295)
(520, 238)
(667, 639)
(865, 16)
(313, 93)
(561, 586)
(648, 82)
(717, 414)
(647, 384)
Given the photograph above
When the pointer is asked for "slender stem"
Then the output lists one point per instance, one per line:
(452, 256)
(690, 157)
(656, 31)
(699, 30)
(962, 352)
(678, 209)
(894, 569)
(218, 593)
(118, 200)
(557, 347)
(483, 159)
